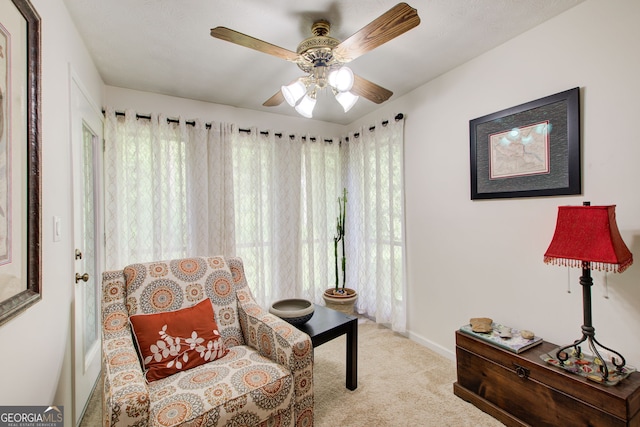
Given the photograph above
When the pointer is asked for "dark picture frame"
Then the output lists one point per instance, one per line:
(24, 191)
(530, 150)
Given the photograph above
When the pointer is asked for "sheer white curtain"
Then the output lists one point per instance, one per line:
(321, 185)
(283, 191)
(168, 189)
(375, 221)
(267, 196)
(175, 190)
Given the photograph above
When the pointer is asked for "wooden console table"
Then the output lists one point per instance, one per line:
(522, 390)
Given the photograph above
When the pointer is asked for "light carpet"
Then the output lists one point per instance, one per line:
(400, 383)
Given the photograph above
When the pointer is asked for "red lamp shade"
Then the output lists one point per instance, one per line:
(588, 234)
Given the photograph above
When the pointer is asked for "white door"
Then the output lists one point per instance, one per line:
(86, 149)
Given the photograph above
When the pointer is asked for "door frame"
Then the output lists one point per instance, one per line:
(75, 84)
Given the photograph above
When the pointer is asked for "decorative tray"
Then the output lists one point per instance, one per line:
(584, 365)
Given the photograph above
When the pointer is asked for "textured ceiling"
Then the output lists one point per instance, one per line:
(164, 46)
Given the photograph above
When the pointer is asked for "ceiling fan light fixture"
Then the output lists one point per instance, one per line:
(305, 106)
(341, 79)
(347, 100)
(293, 92)
(321, 54)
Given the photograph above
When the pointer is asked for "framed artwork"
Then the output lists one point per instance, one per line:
(20, 221)
(531, 150)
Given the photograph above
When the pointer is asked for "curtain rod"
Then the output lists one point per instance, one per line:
(397, 117)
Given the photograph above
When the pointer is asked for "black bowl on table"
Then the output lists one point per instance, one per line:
(296, 311)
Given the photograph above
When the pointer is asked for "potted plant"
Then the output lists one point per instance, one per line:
(339, 297)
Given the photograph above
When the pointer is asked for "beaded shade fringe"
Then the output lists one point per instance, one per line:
(600, 266)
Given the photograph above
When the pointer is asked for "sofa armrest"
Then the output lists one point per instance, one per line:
(126, 396)
(271, 336)
(279, 341)
(284, 344)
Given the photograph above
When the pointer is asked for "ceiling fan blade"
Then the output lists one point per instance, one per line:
(275, 100)
(371, 91)
(233, 36)
(396, 21)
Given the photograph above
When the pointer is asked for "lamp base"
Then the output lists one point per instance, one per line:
(570, 357)
(593, 367)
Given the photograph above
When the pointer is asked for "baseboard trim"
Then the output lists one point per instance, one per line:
(442, 351)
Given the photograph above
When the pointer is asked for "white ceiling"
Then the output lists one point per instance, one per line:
(164, 46)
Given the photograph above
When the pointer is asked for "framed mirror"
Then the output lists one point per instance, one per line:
(20, 199)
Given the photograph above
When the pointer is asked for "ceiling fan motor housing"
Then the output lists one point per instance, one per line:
(317, 50)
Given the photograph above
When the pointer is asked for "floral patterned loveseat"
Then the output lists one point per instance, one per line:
(264, 377)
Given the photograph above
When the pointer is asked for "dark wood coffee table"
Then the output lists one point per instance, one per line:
(327, 324)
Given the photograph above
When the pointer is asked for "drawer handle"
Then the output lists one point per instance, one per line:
(521, 371)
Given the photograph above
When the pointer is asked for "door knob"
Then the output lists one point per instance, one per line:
(84, 277)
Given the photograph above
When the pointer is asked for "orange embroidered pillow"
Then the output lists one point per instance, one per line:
(174, 341)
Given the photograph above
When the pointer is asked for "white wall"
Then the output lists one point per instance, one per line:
(465, 259)
(146, 103)
(35, 361)
(484, 258)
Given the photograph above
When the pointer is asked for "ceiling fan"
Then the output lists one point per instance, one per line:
(322, 58)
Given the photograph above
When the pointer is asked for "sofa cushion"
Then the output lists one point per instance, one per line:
(242, 388)
(174, 341)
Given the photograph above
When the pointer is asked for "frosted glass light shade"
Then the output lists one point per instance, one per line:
(305, 106)
(341, 79)
(293, 92)
(347, 100)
